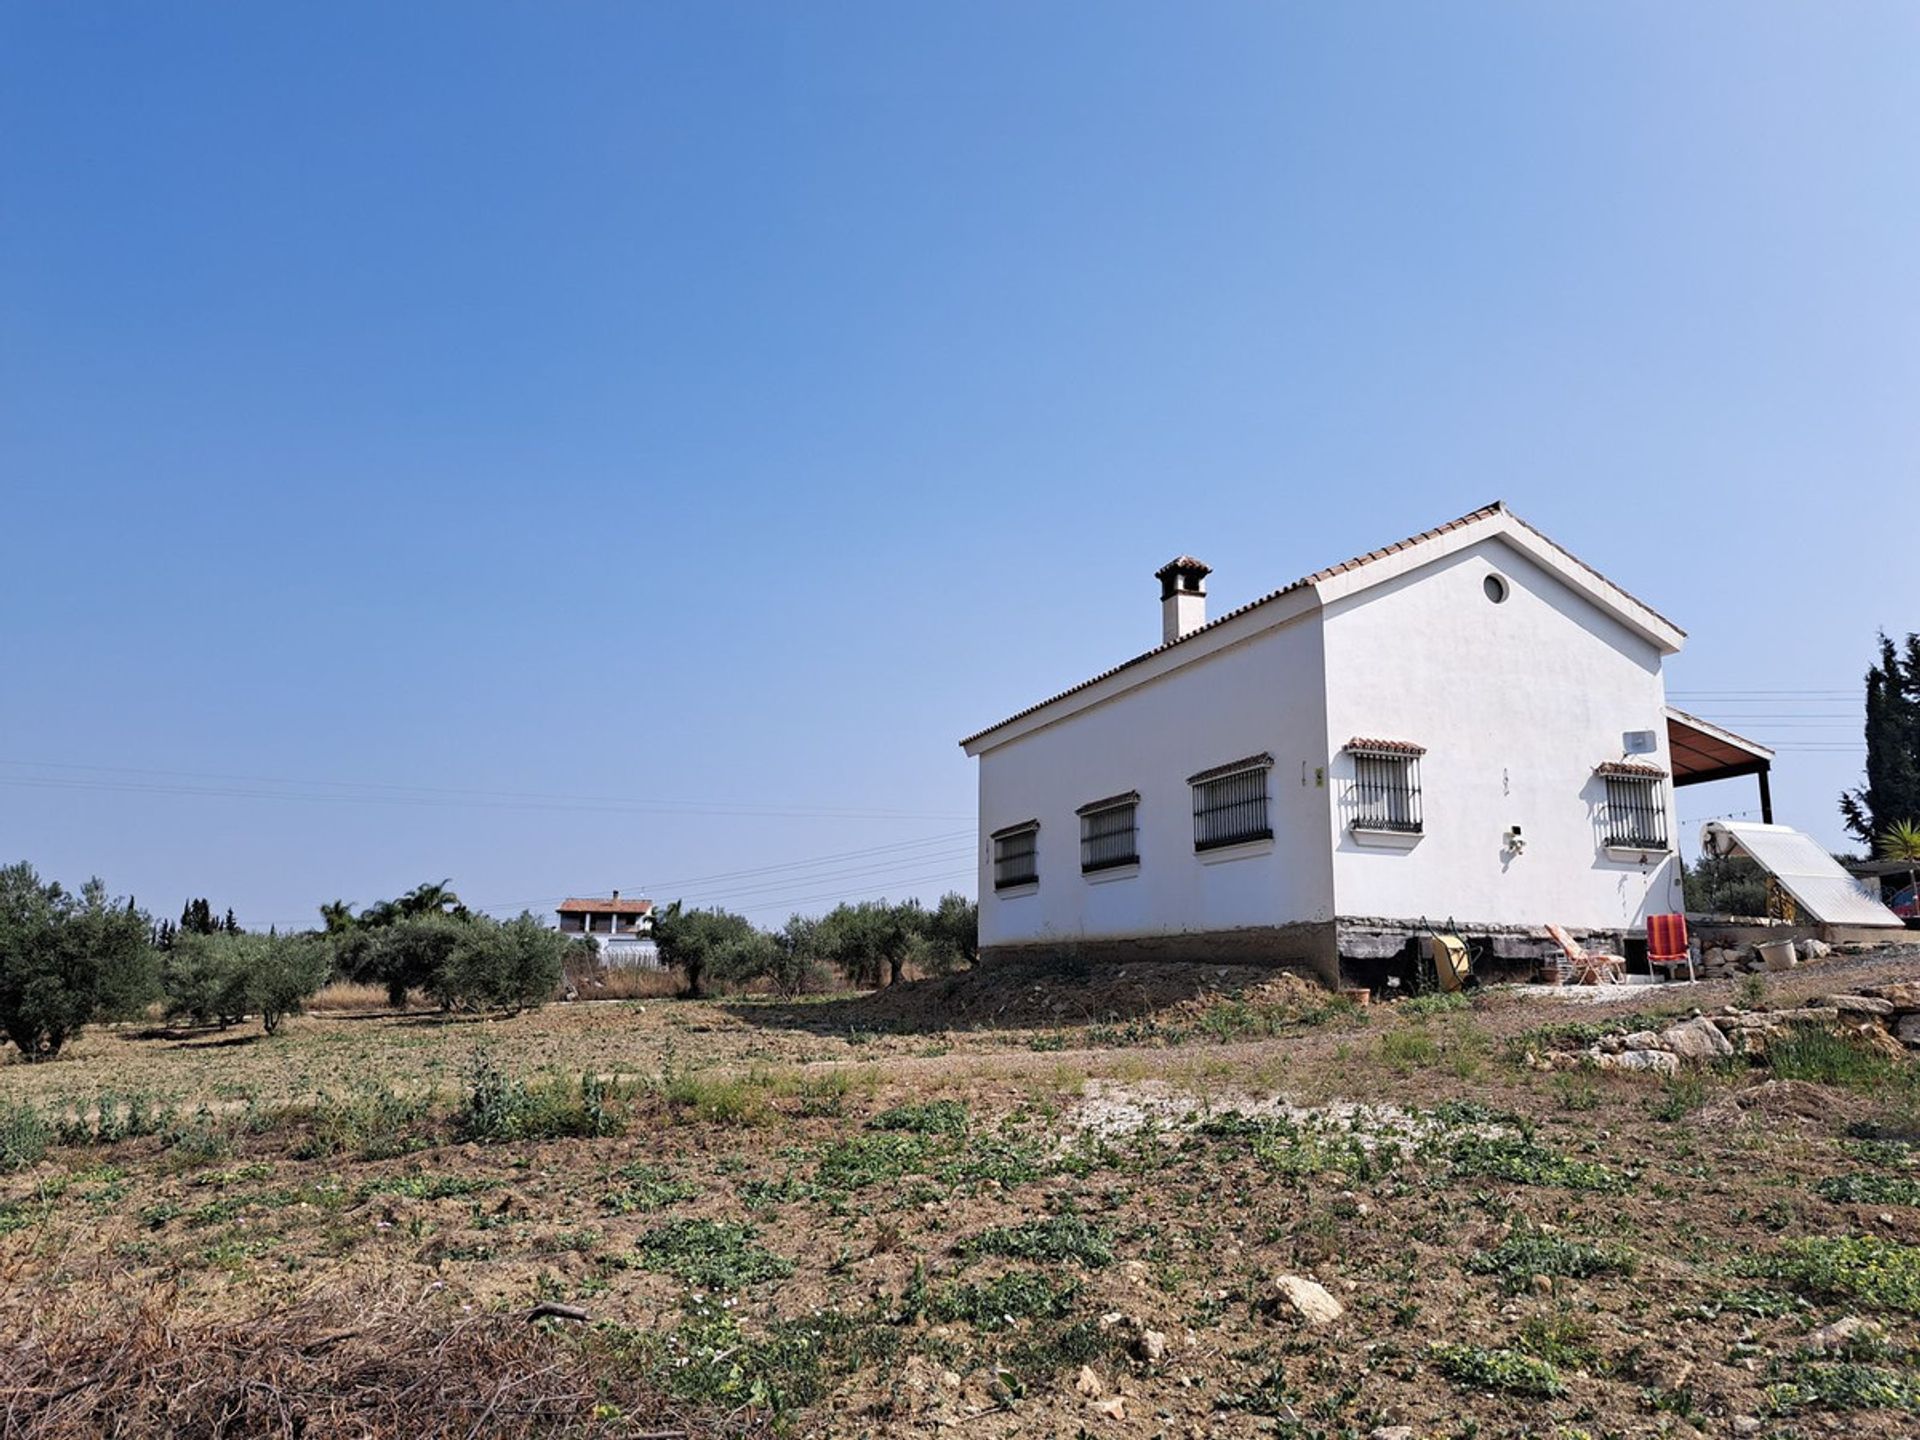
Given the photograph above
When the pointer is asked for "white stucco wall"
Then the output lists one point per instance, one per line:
(1516, 703)
(1262, 694)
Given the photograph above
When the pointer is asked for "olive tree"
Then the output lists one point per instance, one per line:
(67, 959)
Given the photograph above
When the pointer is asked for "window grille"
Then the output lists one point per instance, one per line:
(1636, 817)
(1230, 804)
(1109, 833)
(1016, 856)
(1386, 790)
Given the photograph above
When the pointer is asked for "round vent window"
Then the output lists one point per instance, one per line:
(1495, 587)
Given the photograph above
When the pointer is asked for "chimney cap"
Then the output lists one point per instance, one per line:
(1183, 564)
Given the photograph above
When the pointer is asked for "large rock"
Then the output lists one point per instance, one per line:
(1656, 1062)
(1907, 1031)
(1698, 1040)
(1902, 994)
(1822, 1015)
(1305, 1298)
(1640, 1040)
(1840, 1334)
(1858, 1004)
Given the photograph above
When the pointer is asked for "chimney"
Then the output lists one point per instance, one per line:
(616, 894)
(1183, 597)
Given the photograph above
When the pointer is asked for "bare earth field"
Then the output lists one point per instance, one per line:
(983, 1206)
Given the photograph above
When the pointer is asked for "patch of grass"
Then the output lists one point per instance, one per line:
(1474, 1367)
(647, 1188)
(1529, 1252)
(1409, 1049)
(498, 1107)
(1560, 1339)
(1269, 1395)
(1527, 1162)
(712, 1254)
(1869, 1189)
(1576, 1092)
(1879, 1273)
(1005, 1300)
(1436, 1002)
(24, 1136)
(787, 1190)
(716, 1099)
(372, 1122)
(1002, 1160)
(863, 1160)
(1822, 1058)
(1058, 1239)
(1844, 1386)
(935, 1117)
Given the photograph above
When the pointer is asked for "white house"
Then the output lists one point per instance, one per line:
(623, 929)
(1470, 726)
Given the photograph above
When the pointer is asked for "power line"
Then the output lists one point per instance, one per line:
(432, 798)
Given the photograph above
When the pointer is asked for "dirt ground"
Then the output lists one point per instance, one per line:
(996, 1205)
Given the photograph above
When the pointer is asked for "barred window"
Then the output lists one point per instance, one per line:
(1109, 833)
(1386, 786)
(1636, 813)
(1230, 803)
(1016, 855)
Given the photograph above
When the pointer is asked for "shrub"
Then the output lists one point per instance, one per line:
(66, 959)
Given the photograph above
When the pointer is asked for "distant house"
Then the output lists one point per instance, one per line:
(1470, 724)
(623, 929)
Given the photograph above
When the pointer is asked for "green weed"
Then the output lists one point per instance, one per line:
(647, 1188)
(1876, 1272)
(1474, 1367)
(1058, 1239)
(1527, 1162)
(935, 1117)
(1869, 1189)
(1528, 1252)
(712, 1254)
(1006, 1300)
(1822, 1058)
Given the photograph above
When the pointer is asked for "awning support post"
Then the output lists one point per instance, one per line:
(1766, 798)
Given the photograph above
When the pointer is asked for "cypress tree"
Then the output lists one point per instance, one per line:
(1892, 788)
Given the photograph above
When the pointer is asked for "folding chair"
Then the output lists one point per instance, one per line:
(1667, 946)
(1590, 967)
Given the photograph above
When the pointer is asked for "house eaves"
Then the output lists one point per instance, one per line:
(1348, 578)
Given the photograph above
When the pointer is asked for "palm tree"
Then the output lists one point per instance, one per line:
(428, 898)
(1901, 841)
(336, 916)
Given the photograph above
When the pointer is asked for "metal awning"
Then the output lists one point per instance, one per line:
(1814, 879)
(1702, 751)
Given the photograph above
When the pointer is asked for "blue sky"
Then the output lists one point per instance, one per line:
(568, 447)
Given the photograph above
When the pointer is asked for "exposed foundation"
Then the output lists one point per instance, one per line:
(1307, 947)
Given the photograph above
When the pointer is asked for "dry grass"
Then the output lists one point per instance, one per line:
(630, 982)
(345, 995)
(130, 1364)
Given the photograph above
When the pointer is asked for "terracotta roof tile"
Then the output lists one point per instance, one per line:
(603, 907)
(1385, 747)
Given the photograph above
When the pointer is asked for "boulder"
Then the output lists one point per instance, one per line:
(1640, 1040)
(1902, 995)
(1824, 1015)
(1858, 1004)
(1875, 1037)
(1907, 1031)
(1815, 949)
(1089, 1384)
(1698, 1040)
(1151, 1347)
(1306, 1298)
(1656, 1062)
